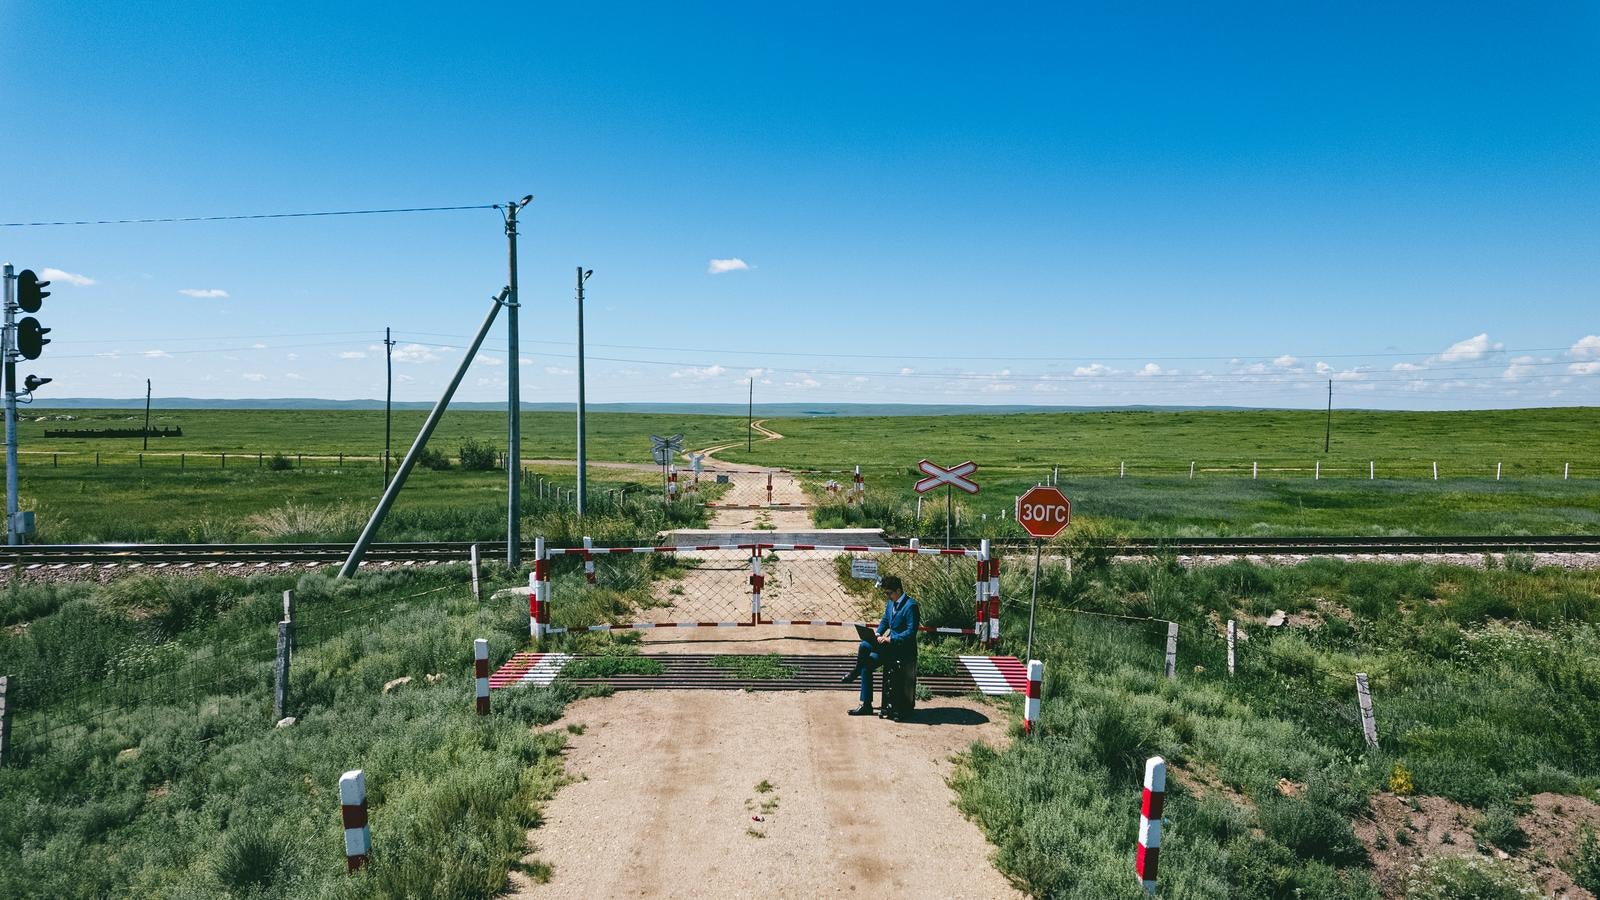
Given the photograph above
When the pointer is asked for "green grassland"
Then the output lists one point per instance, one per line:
(199, 497)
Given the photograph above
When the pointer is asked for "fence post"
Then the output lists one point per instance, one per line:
(5, 718)
(1172, 649)
(1255, 469)
(1122, 469)
(1191, 469)
(353, 811)
(258, 459)
(1372, 470)
(477, 587)
(280, 673)
(1566, 470)
(1150, 810)
(757, 580)
(182, 460)
(224, 461)
(141, 460)
(588, 560)
(480, 674)
(1055, 475)
(1233, 632)
(769, 488)
(1369, 725)
(1318, 475)
(97, 459)
(1497, 471)
(1030, 708)
(1436, 470)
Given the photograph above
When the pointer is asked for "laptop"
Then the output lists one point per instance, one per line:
(866, 633)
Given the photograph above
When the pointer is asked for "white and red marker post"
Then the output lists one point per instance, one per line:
(538, 593)
(588, 559)
(769, 488)
(1031, 708)
(353, 812)
(757, 580)
(1155, 793)
(480, 675)
(860, 490)
(672, 482)
(994, 601)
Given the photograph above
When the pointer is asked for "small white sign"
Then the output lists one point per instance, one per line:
(865, 569)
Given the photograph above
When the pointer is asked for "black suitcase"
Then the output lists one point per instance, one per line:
(899, 694)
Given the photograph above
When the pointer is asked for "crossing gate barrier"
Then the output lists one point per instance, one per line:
(755, 489)
(593, 588)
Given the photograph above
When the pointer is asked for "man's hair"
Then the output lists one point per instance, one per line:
(891, 583)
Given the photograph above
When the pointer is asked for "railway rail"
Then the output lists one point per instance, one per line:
(458, 551)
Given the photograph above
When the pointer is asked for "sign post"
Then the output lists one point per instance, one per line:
(1043, 512)
(953, 477)
(661, 450)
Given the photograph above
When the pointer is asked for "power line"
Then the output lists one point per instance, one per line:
(237, 218)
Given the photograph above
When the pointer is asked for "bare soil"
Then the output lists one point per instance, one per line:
(668, 803)
(1401, 832)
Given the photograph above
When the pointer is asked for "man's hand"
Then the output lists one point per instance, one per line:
(883, 639)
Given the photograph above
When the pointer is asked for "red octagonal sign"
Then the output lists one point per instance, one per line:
(1044, 511)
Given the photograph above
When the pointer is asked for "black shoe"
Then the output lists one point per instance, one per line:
(851, 677)
(864, 709)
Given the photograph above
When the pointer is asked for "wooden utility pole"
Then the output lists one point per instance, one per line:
(147, 414)
(1327, 432)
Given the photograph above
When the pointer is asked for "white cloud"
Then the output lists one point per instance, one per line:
(295, 376)
(711, 371)
(1149, 370)
(258, 346)
(720, 266)
(1093, 370)
(157, 354)
(414, 353)
(1407, 367)
(205, 293)
(1519, 368)
(253, 376)
(292, 356)
(1472, 348)
(802, 381)
(907, 370)
(1584, 368)
(999, 387)
(404, 378)
(1323, 368)
(62, 277)
(353, 354)
(491, 360)
(754, 373)
(1586, 347)
(861, 379)
(556, 370)
(1285, 361)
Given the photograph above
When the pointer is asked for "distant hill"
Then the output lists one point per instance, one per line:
(775, 410)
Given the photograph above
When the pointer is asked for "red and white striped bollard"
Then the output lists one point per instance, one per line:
(588, 560)
(353, 812)
(480, 674)
(757, 580)
(1030, 708)
(994, 601)
(1155, 793)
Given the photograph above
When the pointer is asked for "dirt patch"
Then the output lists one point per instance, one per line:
(1402, 832)
(671, 783)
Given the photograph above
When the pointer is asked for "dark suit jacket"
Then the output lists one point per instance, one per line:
(900, 621)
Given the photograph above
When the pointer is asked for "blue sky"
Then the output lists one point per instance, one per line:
(1165, 204)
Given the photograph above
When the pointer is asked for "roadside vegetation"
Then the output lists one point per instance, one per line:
(1486, 685)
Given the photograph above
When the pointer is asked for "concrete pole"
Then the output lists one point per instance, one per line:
(513, 395)
(583, 458)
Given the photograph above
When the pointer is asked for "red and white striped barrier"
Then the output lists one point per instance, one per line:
(994, 600)
(645, 626)
(672, 482)
(756, 583)
(1155, 793)
(1030, 708)
(828, 548)
(353, 812)
(480, 674)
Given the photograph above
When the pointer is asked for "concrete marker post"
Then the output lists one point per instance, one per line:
(1318, 473)
(280, 674)
(1191, 470)
(1436, 470)
(5, 718)
(353, 812)
(1172, 649)
(1151, 808)
(1030, 708)
(1497, 471)
(1369, 725)
(1122, 469)
(1233, 633)
(477, 586)
(480, 675)
(1566, 470)
(588, 559)
(1372, 470)
(1254, 470)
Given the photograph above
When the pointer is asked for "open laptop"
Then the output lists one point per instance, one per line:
(867, 633)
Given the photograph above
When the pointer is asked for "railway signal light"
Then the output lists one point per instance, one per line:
(31, 337)
(30, 291)
(34, 382)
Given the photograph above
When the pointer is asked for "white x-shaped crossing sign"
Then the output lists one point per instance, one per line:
(952, 476)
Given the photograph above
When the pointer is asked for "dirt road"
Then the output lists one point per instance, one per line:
(669, 790)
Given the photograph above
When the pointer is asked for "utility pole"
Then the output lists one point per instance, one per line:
(750, 419)
(513, 395)
(388, 398)
(8, 345)
(583, 459)
(147, 414)
(1327, 432)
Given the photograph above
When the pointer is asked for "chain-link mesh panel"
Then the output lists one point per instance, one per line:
(599, 586)
(745, 488)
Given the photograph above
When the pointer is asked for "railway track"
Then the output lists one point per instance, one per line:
(458, 551)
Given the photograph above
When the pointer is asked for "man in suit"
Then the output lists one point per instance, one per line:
(896, 639)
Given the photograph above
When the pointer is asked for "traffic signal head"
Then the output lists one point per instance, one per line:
(30, 291)
(31, 337)
(34, 382)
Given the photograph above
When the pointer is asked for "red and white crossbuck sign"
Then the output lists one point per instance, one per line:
(952, 476)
